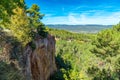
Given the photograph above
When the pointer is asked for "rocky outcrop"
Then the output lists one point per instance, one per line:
(39, 58)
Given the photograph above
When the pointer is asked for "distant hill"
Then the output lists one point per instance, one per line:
(81, 28)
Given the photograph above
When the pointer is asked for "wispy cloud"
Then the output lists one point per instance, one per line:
(97, 18)
(85, 18)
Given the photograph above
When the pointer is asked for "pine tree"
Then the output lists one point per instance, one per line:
(20, 26)
(35, 17)
(107, 43)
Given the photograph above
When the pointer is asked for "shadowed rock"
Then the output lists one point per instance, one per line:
(40, 61)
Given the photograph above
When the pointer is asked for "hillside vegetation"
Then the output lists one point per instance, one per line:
(87, 56)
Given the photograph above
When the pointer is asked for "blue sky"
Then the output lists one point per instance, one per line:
(74, 12)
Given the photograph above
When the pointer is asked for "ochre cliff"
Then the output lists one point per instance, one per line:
(40, 61)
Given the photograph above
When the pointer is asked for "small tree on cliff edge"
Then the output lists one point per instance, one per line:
(35, 17)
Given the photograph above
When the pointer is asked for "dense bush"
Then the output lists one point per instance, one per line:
(107, 44)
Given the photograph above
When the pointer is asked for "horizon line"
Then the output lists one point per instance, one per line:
(83, 24)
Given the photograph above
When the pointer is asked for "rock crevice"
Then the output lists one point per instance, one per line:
(40, 62)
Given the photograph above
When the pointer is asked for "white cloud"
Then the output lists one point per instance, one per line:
(85, 18)
(72, 19)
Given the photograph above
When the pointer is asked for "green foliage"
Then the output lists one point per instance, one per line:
(98, 74)
(117, 67)
(107, 47)
(65, 35)
(107, 44)
(117, 64)
(25, 24)
(32, 44)
(35, 17)
(72, 58)
(117, 27)
(20, 26)
(6, 7)
(41, 30)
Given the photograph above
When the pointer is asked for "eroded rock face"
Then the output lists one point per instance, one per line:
(40, 62)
